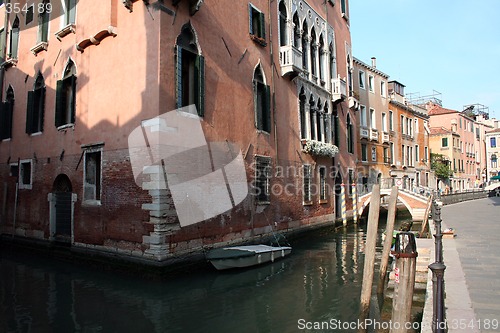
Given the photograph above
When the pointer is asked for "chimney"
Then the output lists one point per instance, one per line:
(374, 62)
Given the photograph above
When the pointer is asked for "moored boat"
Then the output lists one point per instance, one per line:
(246, 256)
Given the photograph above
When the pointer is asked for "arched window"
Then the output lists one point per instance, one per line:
(494, 163)
(190, 71)
(327, 124)
(296, 31)
(313, 49)
(14, 39)
(302, 110)
(336, 127)
(262, 101)
(349, 75)
(6, 113)
(36, 106)
(305, 49)
(43, 22)
(321, 50)
(66, 96)
(312, 118)
(283, 23)
(350, 135)
(319, 121)
(333, 64)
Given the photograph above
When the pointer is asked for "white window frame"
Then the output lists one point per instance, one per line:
(362, 79)
(364, 156)
(23, 185)
(384, 122)
(266, 162)
(371, 83)
(307, 200)
(374, 153)
(417, 154)
(391, 120)
(323, 188)
(91, 150)
(363, 116)
(373, 119)
(393, 153)
(383, 89)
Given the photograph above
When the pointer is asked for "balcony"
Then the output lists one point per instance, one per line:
(373, 134)
(353, 101)
(385, 137)
(364, 133)
(339, 90)
(290, 60)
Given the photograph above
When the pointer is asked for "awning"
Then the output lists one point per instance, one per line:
(493, 186)
(495, 178)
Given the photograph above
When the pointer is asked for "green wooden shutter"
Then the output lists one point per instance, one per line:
(29, 112)
(9, 108)
(60, 103)
(337, 131)
(259, 105)
(3, 122)
(200, 84)
(71, 11)
(262, 27)
(72, 80)
(44, 26)
(266, 110)
(41, 116)
(250, 19)
(178, 76)
(14, 42)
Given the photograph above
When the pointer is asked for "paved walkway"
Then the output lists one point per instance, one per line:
(472, 275)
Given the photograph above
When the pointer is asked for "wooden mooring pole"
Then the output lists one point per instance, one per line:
(371, 242)
(391, 217)
(404, 281)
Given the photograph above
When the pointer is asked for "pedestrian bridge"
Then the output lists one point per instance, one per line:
(418, 205)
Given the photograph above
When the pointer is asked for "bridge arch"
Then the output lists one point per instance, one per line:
(417, 206)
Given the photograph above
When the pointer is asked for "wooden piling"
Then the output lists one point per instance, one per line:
(404, 282)
(371, 242)
(391, 217)
(426, 216)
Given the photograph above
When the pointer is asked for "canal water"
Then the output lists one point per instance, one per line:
(320, 281)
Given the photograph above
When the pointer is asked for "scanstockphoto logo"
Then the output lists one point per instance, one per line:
(205, 178)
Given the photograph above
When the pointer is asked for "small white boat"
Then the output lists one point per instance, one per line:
(246, 256)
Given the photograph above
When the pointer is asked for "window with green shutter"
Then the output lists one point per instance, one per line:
(69, 12)
(6, 114)
(262, 101)
(43, 23)
(66, 97)
(14, 39)
(257, 25)
(36, 106)
(189, 71)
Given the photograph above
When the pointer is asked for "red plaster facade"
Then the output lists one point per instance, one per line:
(125, 59)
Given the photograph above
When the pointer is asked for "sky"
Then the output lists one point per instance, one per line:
(448, 46)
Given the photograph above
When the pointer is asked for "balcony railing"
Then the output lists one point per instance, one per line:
(290, 60)
(353, 100)
(385, 137)
(339, 90)
(373, 134)
(364, 133)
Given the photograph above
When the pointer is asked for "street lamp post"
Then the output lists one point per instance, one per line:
(438, 268)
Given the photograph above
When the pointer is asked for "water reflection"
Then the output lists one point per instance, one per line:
(320, 281)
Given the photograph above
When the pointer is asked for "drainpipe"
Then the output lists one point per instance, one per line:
(273, 84)
(4, 54)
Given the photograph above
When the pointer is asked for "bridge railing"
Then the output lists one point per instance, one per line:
(465, 195)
